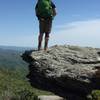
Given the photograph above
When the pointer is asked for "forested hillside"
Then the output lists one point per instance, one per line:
(13, 81)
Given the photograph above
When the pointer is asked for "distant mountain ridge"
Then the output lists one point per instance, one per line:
(10, 57)
(17, 48)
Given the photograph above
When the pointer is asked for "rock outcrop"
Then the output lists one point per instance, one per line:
(50, 97)
(68, 71)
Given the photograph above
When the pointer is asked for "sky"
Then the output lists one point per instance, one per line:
(77, 23)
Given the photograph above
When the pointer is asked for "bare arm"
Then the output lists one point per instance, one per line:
(54, 12)
(53, 8)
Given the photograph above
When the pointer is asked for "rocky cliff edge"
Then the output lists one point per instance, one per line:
(65, 70)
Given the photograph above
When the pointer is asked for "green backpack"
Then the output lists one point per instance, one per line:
(44, 9)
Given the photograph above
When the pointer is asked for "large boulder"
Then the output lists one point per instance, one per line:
(65, 70)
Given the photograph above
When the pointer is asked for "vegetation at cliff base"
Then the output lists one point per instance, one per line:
(13, 82)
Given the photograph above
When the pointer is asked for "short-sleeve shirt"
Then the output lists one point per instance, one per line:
(53, 5)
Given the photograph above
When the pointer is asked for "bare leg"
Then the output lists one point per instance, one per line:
(46, 41)
(40, 41)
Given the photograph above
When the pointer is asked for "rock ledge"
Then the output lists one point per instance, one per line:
(65, 70)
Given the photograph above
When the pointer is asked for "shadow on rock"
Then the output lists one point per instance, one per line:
(68, 71)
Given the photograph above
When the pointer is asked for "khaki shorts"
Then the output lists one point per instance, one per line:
(45, 25)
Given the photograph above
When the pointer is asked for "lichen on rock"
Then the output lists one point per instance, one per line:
(65, 70)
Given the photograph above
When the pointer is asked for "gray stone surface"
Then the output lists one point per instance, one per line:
(65, 70)
(50, 97)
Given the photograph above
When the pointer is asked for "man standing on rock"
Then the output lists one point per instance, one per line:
(45, 11)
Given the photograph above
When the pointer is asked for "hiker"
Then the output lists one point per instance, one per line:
(45, 12)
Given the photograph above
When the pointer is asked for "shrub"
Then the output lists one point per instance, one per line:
(96, 95)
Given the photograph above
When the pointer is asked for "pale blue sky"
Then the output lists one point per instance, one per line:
(77, 23)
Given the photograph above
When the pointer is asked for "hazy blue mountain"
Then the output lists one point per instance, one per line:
(10, 57)
(15, 48)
